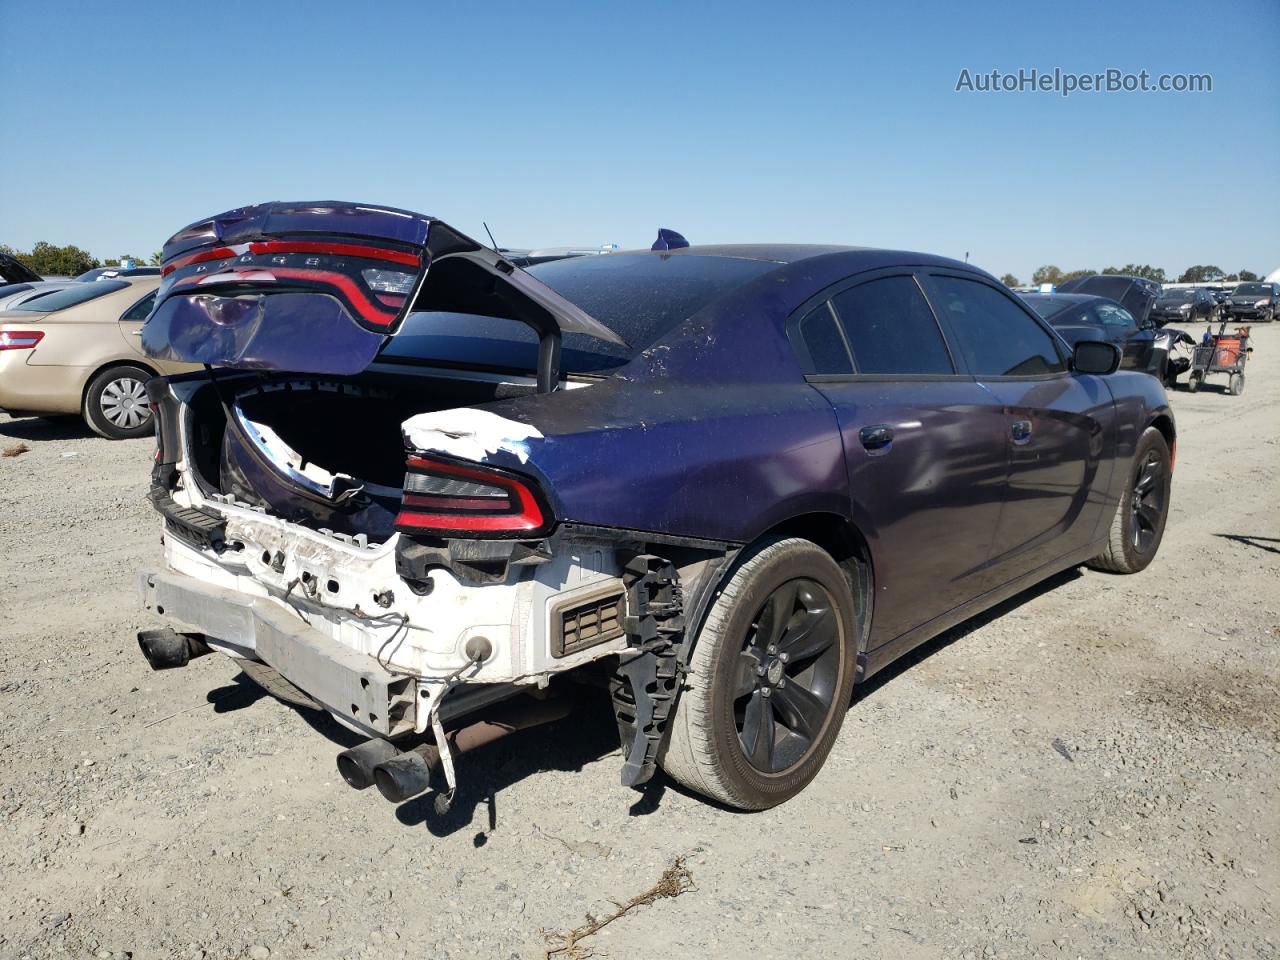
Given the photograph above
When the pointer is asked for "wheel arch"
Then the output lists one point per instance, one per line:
(1164, 423)
(835, 534)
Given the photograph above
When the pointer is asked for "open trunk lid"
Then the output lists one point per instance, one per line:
(317, 287)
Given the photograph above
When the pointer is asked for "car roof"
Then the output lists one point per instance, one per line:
(777, 252)
(133, 285)
(852, 258)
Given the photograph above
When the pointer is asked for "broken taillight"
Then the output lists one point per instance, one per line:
(19, 339)
(449, 499)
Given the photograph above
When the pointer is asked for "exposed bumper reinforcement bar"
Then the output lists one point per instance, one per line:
(347, 682)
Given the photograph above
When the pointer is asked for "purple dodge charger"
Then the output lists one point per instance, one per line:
(430, 492)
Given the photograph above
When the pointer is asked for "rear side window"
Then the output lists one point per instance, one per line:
(72, 296)
(822, 339)
(996, 338)
(140, 309)
(891, 329)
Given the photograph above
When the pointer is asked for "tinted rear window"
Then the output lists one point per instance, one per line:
(891, 329)
(827, 352)
(1047, 306)
(72, 296)
(639, 296)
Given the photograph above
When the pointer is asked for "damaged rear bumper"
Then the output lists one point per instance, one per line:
(351, 685)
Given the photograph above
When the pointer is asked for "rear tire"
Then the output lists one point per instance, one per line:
(730, 740)
(116, 404)
(1236, 386)
(1194, 380)
(1140, 518)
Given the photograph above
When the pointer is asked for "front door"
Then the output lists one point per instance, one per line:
(1055, 423)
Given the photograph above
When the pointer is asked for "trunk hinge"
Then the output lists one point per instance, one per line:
(647, 681)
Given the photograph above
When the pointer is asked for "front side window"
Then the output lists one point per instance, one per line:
(891, 329)
(996, 338)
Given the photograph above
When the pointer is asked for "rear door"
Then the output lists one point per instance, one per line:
(924, 444)
(1054, 423)
(318, 287)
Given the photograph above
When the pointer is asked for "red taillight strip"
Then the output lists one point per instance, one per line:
(291, 246)
(218, 253)
(19, 339)
(527, 515)
(418, 501)
(338, 249)
(368, 312)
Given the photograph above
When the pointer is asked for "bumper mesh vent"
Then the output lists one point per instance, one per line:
(585, 622)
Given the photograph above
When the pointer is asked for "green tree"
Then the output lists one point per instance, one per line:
(1046, 274)
(1076, 273)
(157, 258)
(137, 261)
(1154, 274)
(1242, 276)
(1201, 274)
(50, 260)
(1009, 280)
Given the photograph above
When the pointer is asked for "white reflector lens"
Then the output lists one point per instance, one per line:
(388, 281)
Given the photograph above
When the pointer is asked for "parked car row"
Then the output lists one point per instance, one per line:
(73, 348)
(412, 479)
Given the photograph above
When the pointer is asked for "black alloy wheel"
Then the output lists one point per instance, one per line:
(1148, 502)
(787, 675)
(1139, 522)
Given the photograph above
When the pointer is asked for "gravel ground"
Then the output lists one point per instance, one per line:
(1092, 770)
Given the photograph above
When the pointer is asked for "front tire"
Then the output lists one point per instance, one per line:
(1139, 522)
(770, 679)
(116, 404)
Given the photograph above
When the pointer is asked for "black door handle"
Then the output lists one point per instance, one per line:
(877, 438)
(1020, 432)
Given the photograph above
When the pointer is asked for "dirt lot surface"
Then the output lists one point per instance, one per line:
(1092, 770)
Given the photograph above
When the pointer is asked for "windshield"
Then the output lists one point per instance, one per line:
(1253, 290)
(640, 296)
(1177, 295)
(71, 296)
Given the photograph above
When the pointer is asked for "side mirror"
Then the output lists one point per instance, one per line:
(1094, 356)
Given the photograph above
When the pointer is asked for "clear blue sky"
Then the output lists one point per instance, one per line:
(600, 122)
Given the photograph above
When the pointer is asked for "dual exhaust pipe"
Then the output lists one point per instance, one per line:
(402, 774)
(398, 774)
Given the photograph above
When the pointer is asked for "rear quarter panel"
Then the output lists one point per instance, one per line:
(711, 433)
